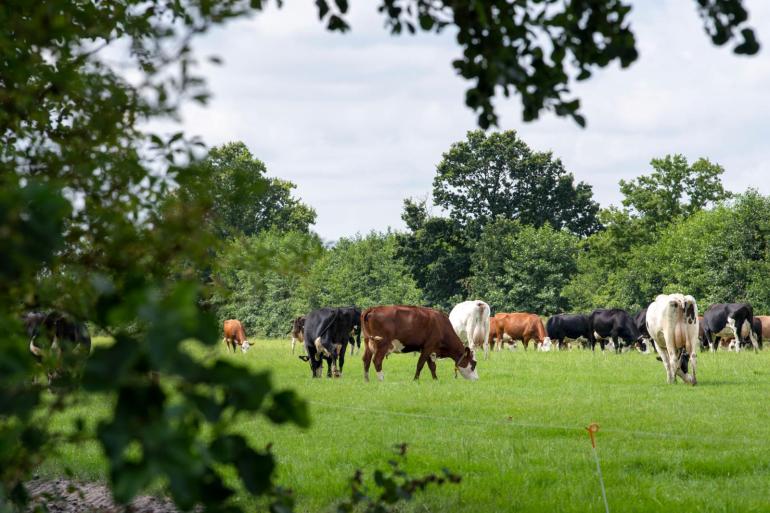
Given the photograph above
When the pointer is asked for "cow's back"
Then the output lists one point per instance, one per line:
(234, 330)
(413, 326)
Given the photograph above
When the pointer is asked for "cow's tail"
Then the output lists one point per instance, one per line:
(365, 327)
(591, 336)
(327, 324)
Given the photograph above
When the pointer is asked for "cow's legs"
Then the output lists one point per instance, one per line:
(293, 343)
(666, 363)
(379, 356)
(432, 365)
(420, 364)
(752, 336)
(711, 340)
(693, 367)
(342, 352)
(367, 358)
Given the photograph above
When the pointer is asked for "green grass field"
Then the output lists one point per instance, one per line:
(517, 435)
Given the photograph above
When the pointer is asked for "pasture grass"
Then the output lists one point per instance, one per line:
(517, 435)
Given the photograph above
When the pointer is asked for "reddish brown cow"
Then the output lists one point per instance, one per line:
(235, 336)
(519, 326)
(406, 329)
(493, 334)
(764, 321)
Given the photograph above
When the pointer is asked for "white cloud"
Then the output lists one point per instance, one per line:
(359, 121)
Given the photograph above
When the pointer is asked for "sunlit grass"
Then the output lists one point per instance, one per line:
(517, 435)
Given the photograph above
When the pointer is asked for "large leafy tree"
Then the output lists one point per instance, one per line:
(717, 255)
(246, 201)
(437, 252)
(262, 278)
(674, 189)
(362, 271)
(498, 176)
(517, 267)
(87, 226)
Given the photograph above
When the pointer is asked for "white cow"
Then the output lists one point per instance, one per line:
(672, 321)
(470, 320)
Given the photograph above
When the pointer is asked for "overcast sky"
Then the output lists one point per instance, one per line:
(359, 121)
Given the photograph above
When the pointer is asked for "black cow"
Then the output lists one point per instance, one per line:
(614, 324)
(725, 320)
(327, 334)
(59, 342)
(568, 326)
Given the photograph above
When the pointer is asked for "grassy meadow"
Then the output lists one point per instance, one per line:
(517, 435)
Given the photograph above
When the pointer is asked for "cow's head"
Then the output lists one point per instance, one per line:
(245, 346)
(467, 365)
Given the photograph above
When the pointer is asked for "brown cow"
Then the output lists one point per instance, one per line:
(235, 336)
(298, 333)
(406, 329)
(519, 326)
(764, 322)
(493, 335)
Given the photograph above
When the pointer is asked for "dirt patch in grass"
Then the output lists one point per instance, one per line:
(68, 496)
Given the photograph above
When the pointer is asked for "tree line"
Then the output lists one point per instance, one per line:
(515, 229)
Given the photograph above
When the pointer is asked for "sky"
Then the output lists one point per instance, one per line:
(359, 121)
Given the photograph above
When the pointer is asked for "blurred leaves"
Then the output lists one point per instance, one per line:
(389, 489)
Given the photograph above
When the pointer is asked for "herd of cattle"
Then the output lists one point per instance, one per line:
(670, 325)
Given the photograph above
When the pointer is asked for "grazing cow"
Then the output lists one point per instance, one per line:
(59, 342)
(615, 325)
(327, 334)
(725, 320)
(563, 327)
(297, 332)
(470, 320)
(520, 326)
(672, 321)
(235, 336)
(406, 329)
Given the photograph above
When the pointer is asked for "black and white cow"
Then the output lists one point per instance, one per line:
(615, 325)
(59, 342)
(327, 334)
(563, 327)
(726, 320)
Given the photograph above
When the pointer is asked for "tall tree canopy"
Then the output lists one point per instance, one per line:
(247, 201)
(437, 253)
(498, 176)
(522, 268)
(673, 189)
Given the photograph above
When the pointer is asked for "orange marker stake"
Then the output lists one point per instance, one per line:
(592, 429)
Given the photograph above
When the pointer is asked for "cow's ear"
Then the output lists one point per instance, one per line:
(304, 358)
